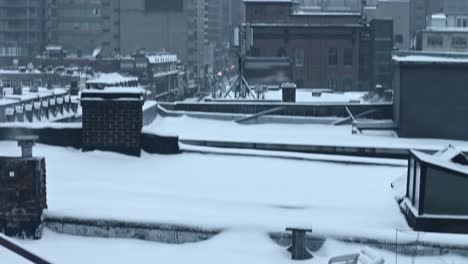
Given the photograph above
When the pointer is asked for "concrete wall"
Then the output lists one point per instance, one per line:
(431, 101)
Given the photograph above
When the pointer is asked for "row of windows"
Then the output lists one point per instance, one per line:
(462, 22)
(91, 12)
(84, 26)
(456, 41)
(13, 51)
(332, 57)
(347, 84)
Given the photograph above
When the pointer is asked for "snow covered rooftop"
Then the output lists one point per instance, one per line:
(111, 90)
(203, 190)
(111, 79)
(313, 134)
(445, 159)
(161, 58)
(432, 58)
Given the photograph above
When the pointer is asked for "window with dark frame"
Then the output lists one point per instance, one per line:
(411, 180)
(435, 41)
(347, 84)
(299, 57)
(332, 56)
(398, 39)
(348, 57)
(459, 42)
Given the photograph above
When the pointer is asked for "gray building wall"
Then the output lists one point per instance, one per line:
(419, 10)
(455, 7)
(431, 100)
(82, 26)
(399, 11)
(152, 30)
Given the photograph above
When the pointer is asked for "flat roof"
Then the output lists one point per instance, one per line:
(428, 58)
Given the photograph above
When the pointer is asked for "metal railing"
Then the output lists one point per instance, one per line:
(18, 250)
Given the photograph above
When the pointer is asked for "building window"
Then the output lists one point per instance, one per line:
(411, 170)
(332, 57)
(459, 42)
(281, 52)
(332, 83)
(299, 57)
(435, 41)
(348, 57)
(398, 39)
(417, 186)
(462, 22)
(347, 84)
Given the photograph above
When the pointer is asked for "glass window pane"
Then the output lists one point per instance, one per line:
(411, 181)
(332, 56)
(417, 185)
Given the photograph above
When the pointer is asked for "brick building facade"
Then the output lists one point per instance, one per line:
(112, 120)
(328, 49)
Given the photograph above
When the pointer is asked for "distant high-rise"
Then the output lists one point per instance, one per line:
(21, 27)
(422, 9)
(455, 7)
(81, 27)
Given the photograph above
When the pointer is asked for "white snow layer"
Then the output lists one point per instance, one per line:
(234, 246)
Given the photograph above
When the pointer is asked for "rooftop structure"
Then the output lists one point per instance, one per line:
(428, 205)
(426, 83)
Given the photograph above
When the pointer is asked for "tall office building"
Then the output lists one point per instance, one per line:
(82, 26)
(455, 7)
(195, 30)
(21, 27)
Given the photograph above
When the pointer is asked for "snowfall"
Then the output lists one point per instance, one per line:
(246, 196)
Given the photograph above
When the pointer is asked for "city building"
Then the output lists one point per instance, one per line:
(420, 10)
(329, 43)
(158, 71)
(22, 27)
(197, 31)
(444, 34)
(399, 12)
(84, 27)
(427, 205)
(154, 27)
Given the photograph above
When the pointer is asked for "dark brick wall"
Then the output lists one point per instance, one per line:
(22, 196)
(112, 125)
